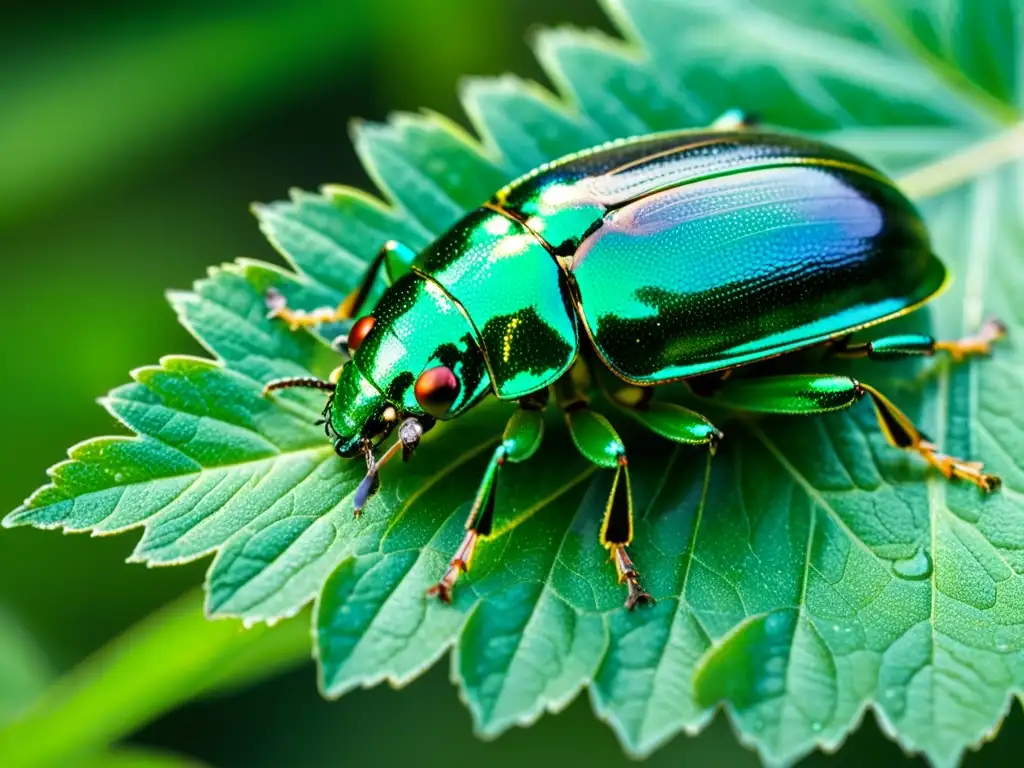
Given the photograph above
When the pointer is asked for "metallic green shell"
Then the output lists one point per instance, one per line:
(513, 293)
(723, 249)
(679, 253)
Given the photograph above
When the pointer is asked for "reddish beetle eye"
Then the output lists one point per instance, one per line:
(436, 390)
(359, 331)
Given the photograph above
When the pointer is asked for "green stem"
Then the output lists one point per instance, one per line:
(953, 170)
(167, 659)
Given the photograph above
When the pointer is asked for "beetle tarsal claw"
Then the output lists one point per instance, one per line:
(627, 572)
(952, 467)
(459, 564)
(979, 343)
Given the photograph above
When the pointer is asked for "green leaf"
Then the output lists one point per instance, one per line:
(806, 573)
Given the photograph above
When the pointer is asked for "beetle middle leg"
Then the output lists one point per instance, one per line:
(822, 393)
(596, 439)
(521, 439)
(910, 345)
(394, 257)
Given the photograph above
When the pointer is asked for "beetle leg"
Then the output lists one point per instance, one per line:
(597, 440)
(393, 256)
(979, 343)
(735, 120)
(822, 393)
(521, 439)
(901, 432)
(907, 345)
(671, 421)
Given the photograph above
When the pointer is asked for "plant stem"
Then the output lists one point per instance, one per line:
(953, 170)
(167, 659)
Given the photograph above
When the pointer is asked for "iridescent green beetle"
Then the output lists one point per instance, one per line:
(672, 257)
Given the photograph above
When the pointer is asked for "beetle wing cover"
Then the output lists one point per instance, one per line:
(728, 270)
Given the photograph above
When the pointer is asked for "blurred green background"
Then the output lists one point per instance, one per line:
(131, 142)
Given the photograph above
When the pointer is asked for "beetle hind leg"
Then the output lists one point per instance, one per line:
(910, 345)
(901, 433)
(979, 343)
(823, 393)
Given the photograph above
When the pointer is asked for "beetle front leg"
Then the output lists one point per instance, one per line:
(910, 345)
(521, 439)
(813, 393)
(395, 258)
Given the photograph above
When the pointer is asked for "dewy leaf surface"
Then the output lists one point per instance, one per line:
(806, 573)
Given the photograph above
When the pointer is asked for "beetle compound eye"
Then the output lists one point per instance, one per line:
(436, 390)
(360, 330)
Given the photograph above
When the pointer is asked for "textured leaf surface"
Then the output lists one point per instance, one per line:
(806, 573)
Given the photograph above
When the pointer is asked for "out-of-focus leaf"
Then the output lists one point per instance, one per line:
(136, 87)
(135, 757)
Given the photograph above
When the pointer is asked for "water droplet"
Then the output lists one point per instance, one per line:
(914, 568)
(119, 477)
(816, 726)
(778, 621)
(1002, 647)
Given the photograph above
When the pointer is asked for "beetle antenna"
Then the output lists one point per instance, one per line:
(297, 382)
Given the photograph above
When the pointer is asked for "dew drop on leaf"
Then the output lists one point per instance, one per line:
(914, 568)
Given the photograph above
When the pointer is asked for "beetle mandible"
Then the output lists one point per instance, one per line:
(680, 256)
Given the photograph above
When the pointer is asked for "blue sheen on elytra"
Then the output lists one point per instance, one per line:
(566, 200)
(721, 272)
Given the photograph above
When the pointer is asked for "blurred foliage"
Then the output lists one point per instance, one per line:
(24, 673)
(125, 165)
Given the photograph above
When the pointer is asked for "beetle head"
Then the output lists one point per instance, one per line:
(418, 352)
(356, 413)
(413, 361)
